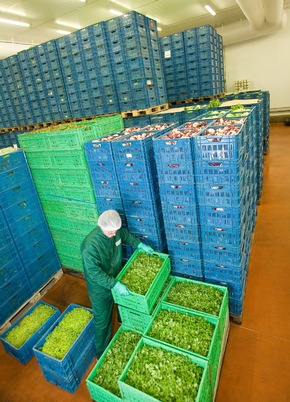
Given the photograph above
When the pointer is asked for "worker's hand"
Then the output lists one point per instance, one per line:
(121, 289)
(147, 249)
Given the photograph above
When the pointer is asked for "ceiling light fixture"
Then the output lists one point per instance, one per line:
(159, 29)
(83, 1)
(12, 22)
(63, 32)
(210, 10)
(115, 12)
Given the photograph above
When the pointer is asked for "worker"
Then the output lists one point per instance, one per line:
(102, 261)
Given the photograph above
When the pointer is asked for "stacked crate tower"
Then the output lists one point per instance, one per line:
(87, 72)
(28, 257)
(136, 61)
(59, 169)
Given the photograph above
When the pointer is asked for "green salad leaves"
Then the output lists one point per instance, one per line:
(29, 325)
(141, 273)
(62, 337)
(165, 375)
(196, 296)
(192, 333)
(115, 361)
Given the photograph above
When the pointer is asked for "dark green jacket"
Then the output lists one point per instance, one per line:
(102, 258)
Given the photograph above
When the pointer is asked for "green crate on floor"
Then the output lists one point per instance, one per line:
(97, 392)
(213, 355)
(224, 306)
(132, 394)
(144, 303)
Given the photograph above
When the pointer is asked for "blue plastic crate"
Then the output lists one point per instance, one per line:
(184, 249)
(8, 253)
(168, 150)
(175, 172)
(12, 160)
(102, 171)
(221, 195)
(106, 203)
(141, 209)
(17, 194)
(138, 190)
(106, 188)
(99, 150)
(183, 194)
(179, 213)
(25, 352)
(158, 243)
(5, 238)
(65, 367)
(222, 217)
(145, 225)
(225, 255)
(136, 171)
(11, 286)
(182, 232)
(189, 268)
(36, 249)
(27, 223)
(72, 381)
(223, 172)
(22, 208)
(41, 262)
(225, 272)
(39, 279)
(15, 300)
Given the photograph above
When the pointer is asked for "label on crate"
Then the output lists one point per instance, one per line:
(167, 54)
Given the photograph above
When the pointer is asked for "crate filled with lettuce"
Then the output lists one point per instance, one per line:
(66, 350)
(159, 372)
(189, 331)
(20, 338)
(135, 319)
(102, 381)
(212, 300)
(145, 276)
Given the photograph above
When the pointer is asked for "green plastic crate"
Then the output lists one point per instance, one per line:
(132, 394)
(144, 303)
(70, 209)
(97, 392)
(81, 193)
(213, 356)
(73, 177)
(66, 248)
(78, 226)
(224, 309)
(135, 319)
(32, 141)
(57, 159)
(72, 262)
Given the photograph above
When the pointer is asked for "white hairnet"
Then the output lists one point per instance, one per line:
(110, 220)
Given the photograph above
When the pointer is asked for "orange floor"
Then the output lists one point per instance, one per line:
(256, 365)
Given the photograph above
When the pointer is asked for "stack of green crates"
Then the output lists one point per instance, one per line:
(136, 310)
(60, 172)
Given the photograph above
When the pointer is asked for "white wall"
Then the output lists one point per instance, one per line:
(265, 62)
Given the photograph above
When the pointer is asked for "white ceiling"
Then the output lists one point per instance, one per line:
(47, 16)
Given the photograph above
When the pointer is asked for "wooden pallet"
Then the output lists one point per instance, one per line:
(73, 272)
(144, 112)
(31, 301)
(196, 100)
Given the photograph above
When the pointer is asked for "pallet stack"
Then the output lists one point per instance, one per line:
(136, 61)
(175, 169)
(28, 256)
(87, 72)
(136, 171)
(60, 172)
(193, 63)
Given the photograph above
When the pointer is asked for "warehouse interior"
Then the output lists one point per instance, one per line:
(73, 72)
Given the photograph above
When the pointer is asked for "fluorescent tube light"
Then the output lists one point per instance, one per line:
(115, 12)
(12, 22)
(63, 32)
(159, 29)
(209, 9)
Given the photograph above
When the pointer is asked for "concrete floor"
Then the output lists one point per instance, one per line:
(256, 364)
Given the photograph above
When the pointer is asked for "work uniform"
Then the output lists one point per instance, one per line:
(102, 260)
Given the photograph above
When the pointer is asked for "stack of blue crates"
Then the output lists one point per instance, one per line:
(225, 202)
(136, 170)
(28, 256)
(173, 51)
(193, 63)
(86, 65)
(135, 55)
(174, 159)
